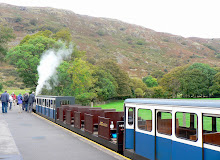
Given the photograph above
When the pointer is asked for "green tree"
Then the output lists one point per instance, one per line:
(158, 92)
(6, 35)
(171, 81)
(26, 57)
(120, 76)
(139, 92)
(105, 84)
(198, 79)
(193, 83)
(137, 83)
(157, 74)
(64, 35)
(215, 88)
(82, 80)
(150, 81)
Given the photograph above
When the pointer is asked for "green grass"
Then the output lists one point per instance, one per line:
(16, 91)
(118, 105)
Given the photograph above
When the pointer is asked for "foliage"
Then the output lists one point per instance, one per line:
(33, 22)
(157, 74)
(120, 76)
(159, 92)
(64, 35)
(171, 81)
(139, 92)
(6, 35)
(26, 56)
(150, 81)
(190, 81)
(137, 83)
(105, 84)
(82, 80)
(215, 88)
(203, 76)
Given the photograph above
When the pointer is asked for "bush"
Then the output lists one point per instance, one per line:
(33, 22)
(139, 92)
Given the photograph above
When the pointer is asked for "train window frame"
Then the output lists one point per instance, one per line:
(164, 111)
(130, 124)
(188, 139)
(145, 120)
(210, 132)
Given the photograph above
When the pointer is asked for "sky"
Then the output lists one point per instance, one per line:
(187, 18)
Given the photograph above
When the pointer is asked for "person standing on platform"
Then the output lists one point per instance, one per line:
(26, 97)
(19, 97)
(30, 102)
(5, 100)
(10, 101)
(14, 98)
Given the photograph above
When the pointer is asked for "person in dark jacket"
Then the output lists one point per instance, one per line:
(5, 100)
(30, 102)
(26, 97)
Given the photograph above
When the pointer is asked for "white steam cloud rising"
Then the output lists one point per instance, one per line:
(49, 62)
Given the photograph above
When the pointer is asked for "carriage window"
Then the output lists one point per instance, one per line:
(130, 116)
(186, 125)
(64, 102)
(164, 123)
(145, 119)
(211, 129)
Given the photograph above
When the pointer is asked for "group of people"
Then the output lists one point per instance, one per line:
(24, 102)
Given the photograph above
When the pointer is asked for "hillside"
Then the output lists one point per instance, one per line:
(138, 50)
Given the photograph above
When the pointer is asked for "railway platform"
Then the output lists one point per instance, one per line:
(27, 136)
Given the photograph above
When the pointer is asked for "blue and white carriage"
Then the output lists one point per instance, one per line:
(47, 105)
(172, 129)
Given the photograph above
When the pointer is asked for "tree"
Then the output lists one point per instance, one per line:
(200, 79)
(137, 83)
(193, 83)
(157, 74)
(171, 81)
(150, 81)
(64, 35)
(105, 84)
(82, 80)
(139, 92)
(6, 35)
(120, 77)
(26, 57)
(215, 88)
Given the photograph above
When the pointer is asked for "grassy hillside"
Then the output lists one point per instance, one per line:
(138, 50)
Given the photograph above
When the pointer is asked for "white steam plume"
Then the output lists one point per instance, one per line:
(49, 62)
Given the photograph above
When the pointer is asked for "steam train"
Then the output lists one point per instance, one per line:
(155, 129)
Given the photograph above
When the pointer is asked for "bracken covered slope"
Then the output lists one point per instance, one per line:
(138, 50)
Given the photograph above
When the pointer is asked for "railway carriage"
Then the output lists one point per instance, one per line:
(47, 106)
(172, 129)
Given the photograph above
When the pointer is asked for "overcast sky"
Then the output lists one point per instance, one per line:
(188, 18)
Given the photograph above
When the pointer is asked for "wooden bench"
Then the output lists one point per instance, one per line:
(62, 112)
(165, 126)
(70, 112)
(114, 116)
(213, 138)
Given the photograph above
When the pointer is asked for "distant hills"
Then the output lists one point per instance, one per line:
(138, 50)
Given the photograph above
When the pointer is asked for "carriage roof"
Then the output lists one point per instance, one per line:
(176, 102)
